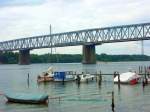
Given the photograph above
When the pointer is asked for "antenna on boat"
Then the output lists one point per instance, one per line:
(50, 29)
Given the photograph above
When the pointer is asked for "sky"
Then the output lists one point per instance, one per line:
(24, 18)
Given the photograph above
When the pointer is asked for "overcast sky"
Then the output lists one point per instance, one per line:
(24, 18)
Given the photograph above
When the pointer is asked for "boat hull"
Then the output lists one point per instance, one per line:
(131, 82)
(87, 78)
(61, 80)
(45, 79)
(27, 98)
(128, 78)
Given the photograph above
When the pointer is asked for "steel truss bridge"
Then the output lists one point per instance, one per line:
(124, 33)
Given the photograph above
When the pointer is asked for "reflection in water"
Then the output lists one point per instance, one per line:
(89, 68)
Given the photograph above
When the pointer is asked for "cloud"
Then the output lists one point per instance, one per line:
(6, 3)
(33, 17)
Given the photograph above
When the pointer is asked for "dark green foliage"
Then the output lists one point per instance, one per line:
(12, 58)
(9, 57)
(116, 58)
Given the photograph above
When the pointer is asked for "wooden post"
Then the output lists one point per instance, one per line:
(28, 79)
(139, 69)
(118, 77)
(100, 78)
(113, 104)
(115, 74)
(78, 79)
(143, 83)
(145, 69)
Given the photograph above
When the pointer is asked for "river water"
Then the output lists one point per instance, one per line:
(88, 97)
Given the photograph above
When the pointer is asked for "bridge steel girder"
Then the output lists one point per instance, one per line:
(96, 36)
(124, 33)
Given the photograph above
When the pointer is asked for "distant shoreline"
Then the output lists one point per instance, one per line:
(12, 58)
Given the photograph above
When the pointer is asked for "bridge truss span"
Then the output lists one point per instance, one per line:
(124, 33)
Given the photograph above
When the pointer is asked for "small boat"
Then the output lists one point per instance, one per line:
(85, 77)
(64, 76)
(128, 78)
(27, 98)
(46, 76)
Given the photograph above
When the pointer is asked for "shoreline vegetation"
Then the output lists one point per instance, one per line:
(12, 58)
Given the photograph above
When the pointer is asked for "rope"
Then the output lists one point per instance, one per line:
(58, 97)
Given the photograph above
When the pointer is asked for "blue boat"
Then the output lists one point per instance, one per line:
(63, 76)
(27, 98)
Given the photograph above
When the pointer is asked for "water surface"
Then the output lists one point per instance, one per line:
(90, 97)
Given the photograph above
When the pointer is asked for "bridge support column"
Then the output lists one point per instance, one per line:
(1, 57)
(89, 54)
(24, 57)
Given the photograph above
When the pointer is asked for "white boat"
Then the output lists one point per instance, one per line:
(128, 78)
(86, 77)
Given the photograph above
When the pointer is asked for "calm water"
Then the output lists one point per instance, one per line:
(89, 97)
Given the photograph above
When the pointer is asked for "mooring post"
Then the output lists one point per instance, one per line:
(118, 78)
(78, 79)
(115, 74)
(63, 81)
(143, 83)
(139, 69)
(99, 78)
(113, 104)
(28, 79)
(145, 69)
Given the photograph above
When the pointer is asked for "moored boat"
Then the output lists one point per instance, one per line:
(128, 78)
(27, 98)
(64, 76)
(86, 77)
(46, 76)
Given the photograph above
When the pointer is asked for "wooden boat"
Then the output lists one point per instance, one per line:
(128, 78)
(46, 76)
(27, 98)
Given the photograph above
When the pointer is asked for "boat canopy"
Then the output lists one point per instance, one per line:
(26, 97)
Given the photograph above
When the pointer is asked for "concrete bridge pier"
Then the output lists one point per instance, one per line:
(24, 57)
(89, 54)
(1, 57)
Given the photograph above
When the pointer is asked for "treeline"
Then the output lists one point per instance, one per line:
(116, 58)
(12, 58)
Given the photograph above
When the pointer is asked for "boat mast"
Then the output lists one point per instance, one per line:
(50, 29)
